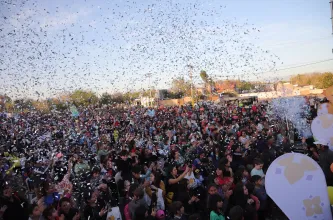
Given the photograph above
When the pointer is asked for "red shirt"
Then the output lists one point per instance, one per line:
(223, 180)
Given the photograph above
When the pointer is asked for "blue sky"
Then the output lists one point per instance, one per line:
(49, 47)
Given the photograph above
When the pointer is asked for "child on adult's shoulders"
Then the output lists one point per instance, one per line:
(257, 170)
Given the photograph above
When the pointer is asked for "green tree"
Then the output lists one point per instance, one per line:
(5, 101)
(9, 106)
(204, 76)
(209, 83)
(118, 98)
(23, 104)
(58, 104)
(244, 85)
(106, 99)
(41, 106)
(61, 106)
(180, 85)
(173, 95)
(83, 98)
(327, 80)
(319, 80)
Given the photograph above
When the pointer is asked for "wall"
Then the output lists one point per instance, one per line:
(263, 95)
(171, 102)
(174, 102)
(272, 95)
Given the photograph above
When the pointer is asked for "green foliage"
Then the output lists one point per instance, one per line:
(204, 76)
(5, 101)
(23, 104)
(9, 106)
(106, 99)
(225, 85)
(244, 85)
(181, 86)
(61, 106)
(57, 104)
(209, 83)
(327, 79)
(318, 80)
(230, 94)
(41, 106)
(83, 98)
(174, 95)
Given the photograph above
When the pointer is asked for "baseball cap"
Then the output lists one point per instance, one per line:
(322, 142)
(160, 214)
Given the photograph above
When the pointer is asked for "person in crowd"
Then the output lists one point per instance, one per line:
(155, 193)
(177, 211)
(242, 175)
(257, 170)
(34, 212)
(198, 178)
(241, 197)
(192, 183)
(137, 178)
(250, 187)
(215, 207)
(50, 213)
(12, 205)
(157, 163)
(137, 201)
(194, 217)
(236, 213)
(66, 209)
(50, 197)
(92, 209)
(325, 161)
(81, 166)
(220, 179)
(260, 193)
(173, 181)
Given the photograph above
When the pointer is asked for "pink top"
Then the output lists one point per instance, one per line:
(256, 200)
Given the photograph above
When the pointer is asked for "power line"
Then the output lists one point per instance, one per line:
(298, 42)
(293, 67)
(309, 64)
(331, 3)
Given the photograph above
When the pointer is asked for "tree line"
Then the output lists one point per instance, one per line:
(318, 80)
(180, 87)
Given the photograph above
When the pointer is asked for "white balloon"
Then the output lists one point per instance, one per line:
(322, 129)
(323, 109)
(296, 183)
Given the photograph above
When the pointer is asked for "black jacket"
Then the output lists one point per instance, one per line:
(92, 213)
(325, 161)
(16, 209)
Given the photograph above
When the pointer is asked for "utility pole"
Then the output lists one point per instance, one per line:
(191, 78)
(149, 76)
(331, 2)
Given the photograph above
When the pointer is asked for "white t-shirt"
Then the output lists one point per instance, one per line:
(257, 172)
(260, 127)
(243, 140)
(191, 178)
(114, 214)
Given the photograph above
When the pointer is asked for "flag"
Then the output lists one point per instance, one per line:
(75, 112)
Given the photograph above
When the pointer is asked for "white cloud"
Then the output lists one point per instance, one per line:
(63, 19)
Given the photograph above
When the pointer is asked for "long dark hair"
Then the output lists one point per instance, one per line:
(158, 178)
(213, 200)
(238, 196)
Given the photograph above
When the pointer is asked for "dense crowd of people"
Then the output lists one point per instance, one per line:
(178, 163)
